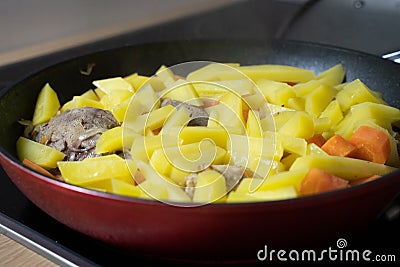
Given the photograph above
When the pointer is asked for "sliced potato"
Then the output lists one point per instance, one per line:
(44, 156)
(47, 105)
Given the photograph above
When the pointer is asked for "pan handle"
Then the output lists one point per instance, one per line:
(393, 56)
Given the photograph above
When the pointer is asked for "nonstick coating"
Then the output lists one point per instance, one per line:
(212, 232)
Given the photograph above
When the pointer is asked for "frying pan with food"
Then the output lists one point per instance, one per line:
(215, 232)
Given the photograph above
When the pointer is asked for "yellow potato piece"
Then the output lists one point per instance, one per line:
(81, 101)
(317, 100)
(90, 94)
(182, 91)
(333, 112)
(288, 160)
(196, 156)
(77, 172)
(230, 111)
(115, 139)
(380, 114)
(112, 84)
(300, 125)
(166, 75)
(160, 162)
(44, 156)
(175, 192)
(313, 149)
(153, 192)
(210, 187)
(332, 76)
(303, 89)
(293, 144)
(356, 92)
(279, 119)
(177, 118)
(243, 149)
(152, 120)
(343, 167)
(115, 98)
(321, 125)
(276, 93)
(283, 179)
(253, 124)
(296, 103)
(47, 105)
(268, 195)
(120, 109)
(279, 73)
(136, 80)
(263, 168)
(115, 186)
(196, 134)
(214, 72)
(110, 141)
(242, 87)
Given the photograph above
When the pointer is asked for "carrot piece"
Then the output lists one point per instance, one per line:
(59, 177)
(209, 102)
(365, 179)
(372, 144)
(37, 168)
(338, 146)
(156, 131)
(245, 113)
(318, 181)
(138, 177)
(317, 139)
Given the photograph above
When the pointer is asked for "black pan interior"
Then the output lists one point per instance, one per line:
(17, 102)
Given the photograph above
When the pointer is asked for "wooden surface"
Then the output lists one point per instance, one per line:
(14, 254)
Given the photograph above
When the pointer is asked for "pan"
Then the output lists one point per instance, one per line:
(210, 233)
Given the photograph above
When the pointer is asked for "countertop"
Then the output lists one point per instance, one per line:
(13, 253)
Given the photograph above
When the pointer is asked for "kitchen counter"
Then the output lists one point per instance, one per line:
(13, 253)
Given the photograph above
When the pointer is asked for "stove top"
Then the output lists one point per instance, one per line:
(23, 221)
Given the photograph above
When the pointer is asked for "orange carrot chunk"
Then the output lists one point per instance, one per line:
(318, 181)
(338, 146)
(317, 139)
(37, 168)
(372, 144)
(364, 180)
(245, 113)
(139, 177)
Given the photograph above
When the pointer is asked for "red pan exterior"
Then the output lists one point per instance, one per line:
(218, 232)
(222, 232)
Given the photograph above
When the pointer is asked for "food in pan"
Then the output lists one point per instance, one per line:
(224, 133)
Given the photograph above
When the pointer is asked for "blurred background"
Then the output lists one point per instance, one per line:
(33, 28)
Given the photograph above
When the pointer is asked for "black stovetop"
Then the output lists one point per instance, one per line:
(23, 221)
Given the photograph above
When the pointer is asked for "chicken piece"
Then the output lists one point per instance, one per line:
(232, 174)
(75, 132)
(198, 114)
(191, 181)
(396, 137)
